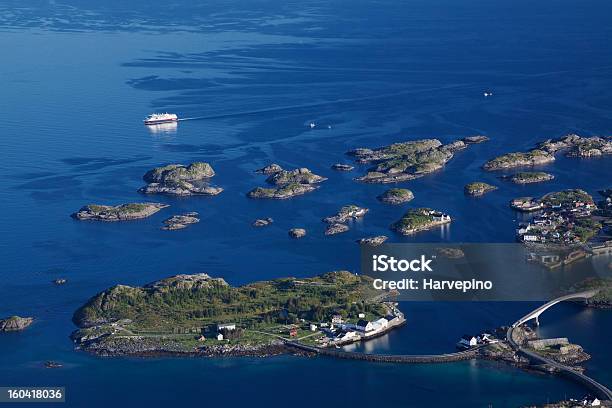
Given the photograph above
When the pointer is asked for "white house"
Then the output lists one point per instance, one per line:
(219, 336)
(530, 238)
(440, 217)
(364, 325)
(468, 341)
(226, 326)
(336, 319)
(361, 315)
(380, 324)
(313, 327)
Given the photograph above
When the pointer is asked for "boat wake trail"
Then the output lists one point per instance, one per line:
(324, 103)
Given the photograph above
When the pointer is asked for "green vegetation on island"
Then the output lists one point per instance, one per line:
(15, 323)
(478, 188)
(574, 145)
(405, 161)
(301, 176)
(519, 159)
(396, 196)
(282, 192)
(528, 177)
(179, 172)
(123, 212)
(180, 180)
(172, 314)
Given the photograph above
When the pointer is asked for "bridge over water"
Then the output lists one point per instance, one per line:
(599, 389)
(535, 314)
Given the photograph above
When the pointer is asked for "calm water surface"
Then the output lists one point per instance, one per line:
(78, 77)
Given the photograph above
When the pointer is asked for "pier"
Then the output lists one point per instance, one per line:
(389, 358)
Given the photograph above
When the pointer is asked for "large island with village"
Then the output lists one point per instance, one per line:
(200, 315)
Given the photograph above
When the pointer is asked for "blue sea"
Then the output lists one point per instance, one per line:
(78, 77)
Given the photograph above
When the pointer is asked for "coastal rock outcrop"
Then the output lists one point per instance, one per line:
(123, 212)
(519, 159)
(269, 169)
(478, 188)
(336, 228)
(302, 176)
(396, 196)
(15, 323)
(180, 180)
(262, 222)
(347, 213)
(342, 167)
(297, 232)
(336, 223)
(404, 161)
(179, 172)
(180, 188)
(420, 219)
(578, 146)
(528, 177)
(177, 222)
(544, 152)
(282, 192)
(373, 241)
(475, 139)
(287, 183)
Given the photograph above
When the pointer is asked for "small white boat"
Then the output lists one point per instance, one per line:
(157, 118)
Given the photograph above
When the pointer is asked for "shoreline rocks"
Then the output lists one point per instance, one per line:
(532, 158)
(181, 188)
(262, 222)
(302, 176)
(281, 193)
(180, 180)
(544, 152)
(336, 223)
(528, 177)
(297, 233)
(336, 228)
(269, 169)
(404, 161)
(287, 183)
(478, 188)
(179, 172)
(373, 241)
(347, 213)
(475, 139)
(15, 323)
(420, 219)
(342, 167)
(396, 196)
(177, 222)
(123, 212)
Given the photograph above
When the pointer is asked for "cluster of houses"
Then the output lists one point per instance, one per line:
(587, 401)
(555, 224)
(468, 341)
(343, 332)
(526, 204)
(437, 216)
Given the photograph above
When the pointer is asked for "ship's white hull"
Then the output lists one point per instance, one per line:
(158, 121)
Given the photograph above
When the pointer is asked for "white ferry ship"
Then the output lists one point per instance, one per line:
(157, 118)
